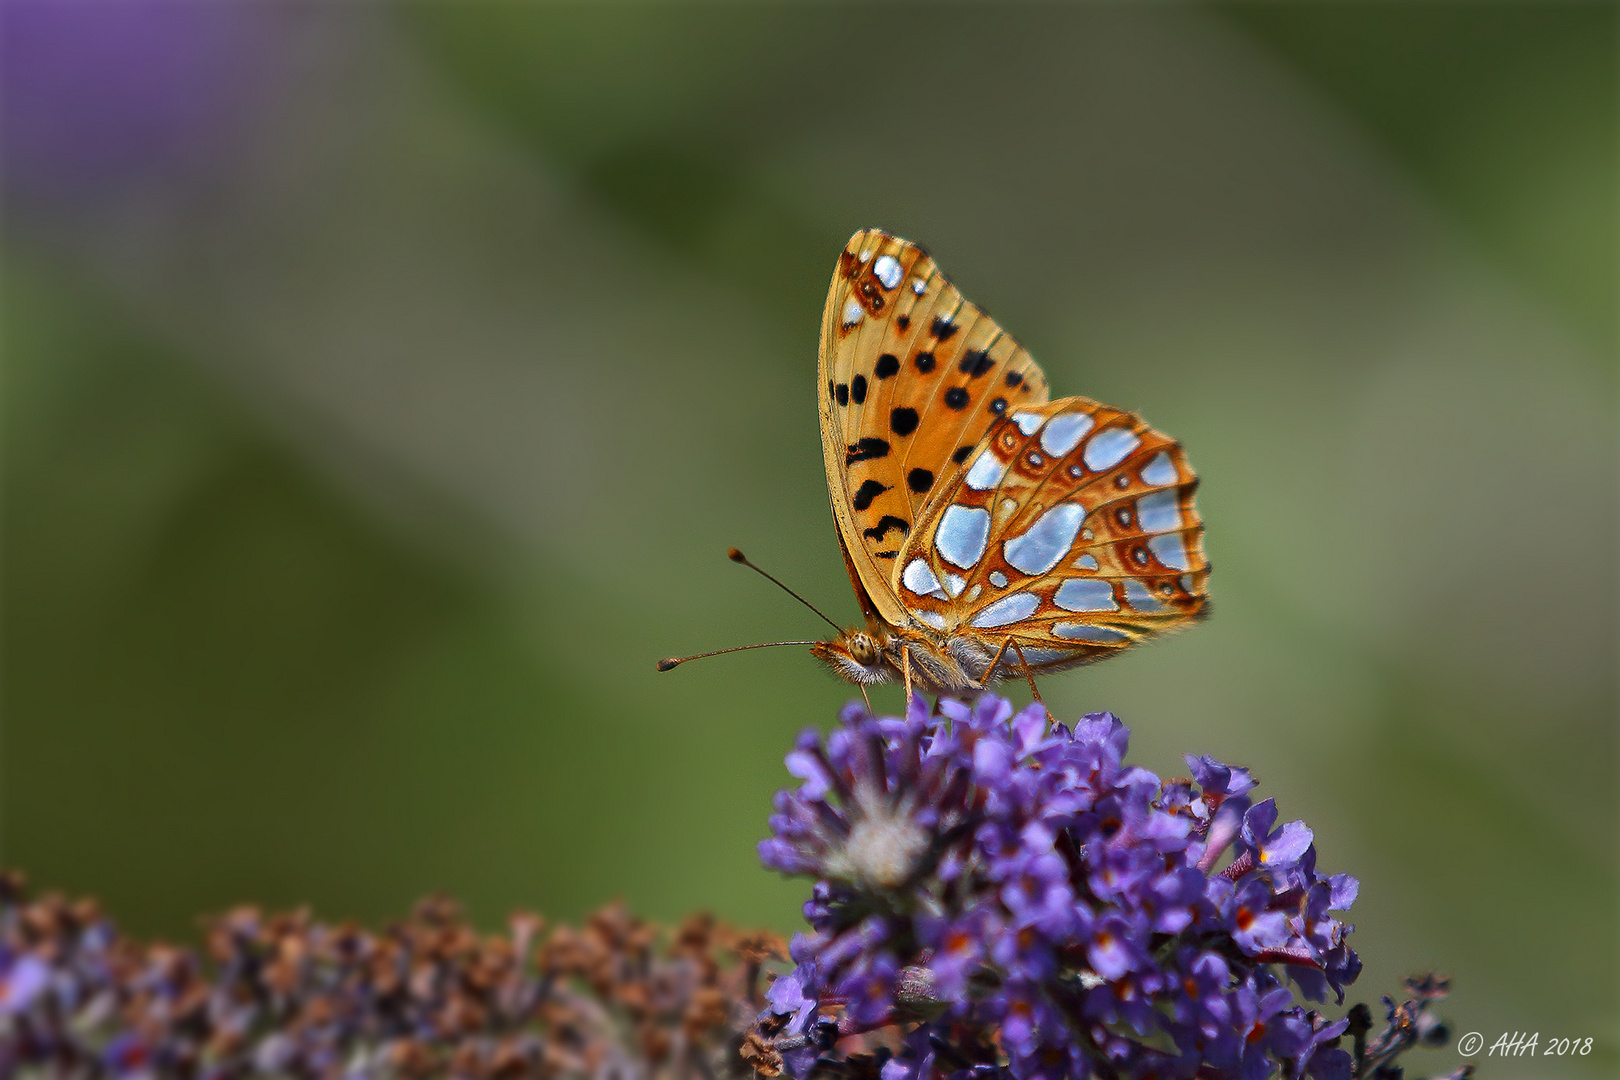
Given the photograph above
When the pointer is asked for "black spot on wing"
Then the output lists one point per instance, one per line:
(887, 365)
(867, 492)
(960, 454)
(1013, 378)
(885, 523)
(943, 328)
(998, 406)
(903, 420)
(865, 450)
(842, 393)
(956, 397)
(975, 362)
(924, 361)
(919, 480)
(857, 390)
(902, 321)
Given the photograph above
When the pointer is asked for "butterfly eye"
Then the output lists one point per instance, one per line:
(863, 650)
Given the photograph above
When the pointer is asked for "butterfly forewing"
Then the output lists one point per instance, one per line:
(1071, 530)
(912, 378)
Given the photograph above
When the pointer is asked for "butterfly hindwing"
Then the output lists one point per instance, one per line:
(1071, 530)
(912, 377)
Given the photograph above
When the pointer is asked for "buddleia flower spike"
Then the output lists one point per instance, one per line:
(994, 896)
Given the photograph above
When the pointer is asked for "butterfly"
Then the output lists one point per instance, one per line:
(988, 531)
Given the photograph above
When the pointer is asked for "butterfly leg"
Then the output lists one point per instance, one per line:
(989, 672)
(1030, 676)
(905, 663)
(868, 701)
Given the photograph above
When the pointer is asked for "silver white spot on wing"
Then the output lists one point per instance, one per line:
(1097, 635)
(919, 286)
(1140, 599)
(1014, 607)
(887, 270)
(1169, 550)
(1109, 447)
(962, 533)
(1085, 594)
(1027, 422)
(853, 313)
(919, 577)
(866, 256)
(986, 472)
(1047, 541)
(998, 579)
(1159, 512)
(1064, 432)
(954, 584)
(932, 618)
(1161, 470)
(1086, 562)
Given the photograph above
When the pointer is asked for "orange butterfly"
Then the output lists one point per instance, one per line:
(988, 532)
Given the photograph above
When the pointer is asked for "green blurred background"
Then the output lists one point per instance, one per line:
(383, 386)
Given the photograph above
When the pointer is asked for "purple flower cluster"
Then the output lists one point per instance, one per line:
(1016, 899)
(289, 996)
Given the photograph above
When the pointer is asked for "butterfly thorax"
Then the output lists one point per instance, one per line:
(939, 664)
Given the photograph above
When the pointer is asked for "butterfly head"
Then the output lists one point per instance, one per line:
(855, 656)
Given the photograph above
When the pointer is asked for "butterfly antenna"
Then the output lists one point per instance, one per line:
(738, 557)
(673, 662)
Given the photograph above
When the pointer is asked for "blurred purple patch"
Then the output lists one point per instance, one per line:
(97, 95)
